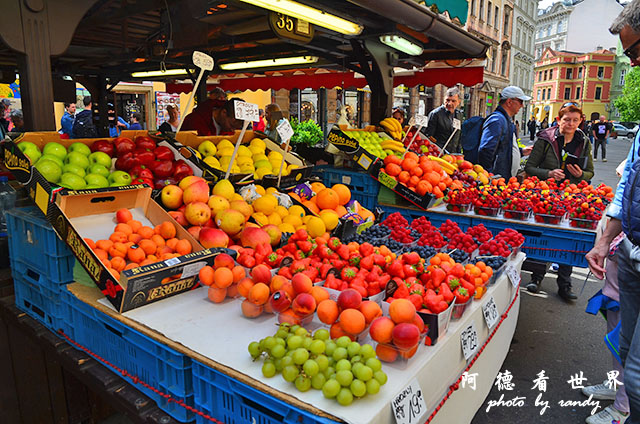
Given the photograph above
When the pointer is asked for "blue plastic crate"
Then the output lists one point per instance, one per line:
(566, 246)
(33, 242)
(152, 362)
(35, 277)
(363, 187)
(435, 218)
(233, 402)
(39, 302)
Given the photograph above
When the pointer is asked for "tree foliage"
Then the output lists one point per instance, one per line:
(629, 102)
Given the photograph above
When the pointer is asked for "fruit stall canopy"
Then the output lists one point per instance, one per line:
(317, 78)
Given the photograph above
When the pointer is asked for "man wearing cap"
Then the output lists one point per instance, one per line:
(499, 152)
(444, 119)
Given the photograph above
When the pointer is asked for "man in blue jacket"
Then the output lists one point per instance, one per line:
(624, 214)
(498, 151)
(67, 119)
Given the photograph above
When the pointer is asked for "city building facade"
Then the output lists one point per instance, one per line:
(522, 51)
(583, 78)
(551, 27)
(619, 74)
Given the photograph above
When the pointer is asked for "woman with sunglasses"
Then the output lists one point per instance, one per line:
(561, 152)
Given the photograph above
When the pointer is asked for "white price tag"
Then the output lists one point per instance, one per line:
(408, 406)
(246, 111)
(192, 269)
(284, 130)
(456, 124)
(421, 120)
(172, 261)
(202, 61)
(469, 340)
(513, 275)
(490, 313)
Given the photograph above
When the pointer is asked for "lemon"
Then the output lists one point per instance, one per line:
(225, 152)
(244, 151)
(286, 228)
(247, 168)
(275, 219)
(294, 220)
(260, 190)
(260, 218)
(282, 211)
(259, 156)
(275, 156)
(261, 172)
(330, 219)
(256, 150)
(241, 160)
(225, 160)
(225, 144)
(297, 210)
(224, 188)
(267, 204)
(256, 142)
(316, 227)
(275, 165)
(263, 164)
(212, 162)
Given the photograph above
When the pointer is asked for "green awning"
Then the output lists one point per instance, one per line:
(455, 8)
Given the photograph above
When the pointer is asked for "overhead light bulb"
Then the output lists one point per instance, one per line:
(310, 14)
(402, 44)
(267, 63)
(159, 73)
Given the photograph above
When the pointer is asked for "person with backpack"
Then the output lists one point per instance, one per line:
(443, 120)
(498, 151)
(532, 127)
(83, 126)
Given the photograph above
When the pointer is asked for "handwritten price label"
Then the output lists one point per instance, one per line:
(421, 120)
(202, 61)
(513, 275)
(456, 124)
(490, 313)
(284, 130)
(246, 111)
(469, 341)
(387, 180)
(408, 406)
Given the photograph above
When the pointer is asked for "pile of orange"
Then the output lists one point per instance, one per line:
(478, 275)
(222, 278)
(132, 244)
(401, 311)
(349, 322)
(418, 173)
(331, 199)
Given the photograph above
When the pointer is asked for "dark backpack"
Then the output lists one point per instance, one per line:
(470, 136)
(83, 125)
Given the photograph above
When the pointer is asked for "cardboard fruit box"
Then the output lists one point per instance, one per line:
(423, 202)
(76, 216)
(351, 147)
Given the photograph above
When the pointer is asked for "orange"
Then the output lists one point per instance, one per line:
(90, 243)
(222, 277)
(167, 230)
(148, 246)
(328, 311)
(101, 254)
(216, 295)
(135, 225)
(402, 310)
(136, 254)
(146, 232)
(317, 187)
(352, 321)
(343, 192)
(118, 263)
(341, 211)
(123, 228)
(118, 237)
(258, 294)
(206, 275)
(244, 286)
(327, 199)
(311, 206)
(104, 245)
(183, 247)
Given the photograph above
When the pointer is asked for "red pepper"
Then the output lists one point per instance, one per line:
(181, 169)
(163, 153)
(161, 169)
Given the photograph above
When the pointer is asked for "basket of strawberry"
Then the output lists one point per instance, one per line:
(586, 214)
(517, 208)
(549, 211)
(487, 204)
(460, 200)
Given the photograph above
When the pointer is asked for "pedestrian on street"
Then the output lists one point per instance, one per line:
(601, 131)
(532, 127)
(544, 124)
(624, 216)
(443, 120)
(561, 152)
(66, 122)
(499, 151)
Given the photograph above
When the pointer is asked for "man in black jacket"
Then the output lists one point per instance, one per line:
(532, 127)
(443, 120)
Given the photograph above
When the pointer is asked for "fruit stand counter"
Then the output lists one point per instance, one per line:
(217, 335)
(543, 242)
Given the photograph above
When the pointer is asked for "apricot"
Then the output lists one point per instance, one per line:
(258, 294)
(319, 294)
(135, 225)
(386, 353)
(276, 283)
(238, 273)
(158, 240)
(118, 236)
(244, 286)
(402, 310)
(301, 283)
(381, 330)
(101, 254)
(136, 254)
(171, 243)
(336, 332)
(148, 246)
(328, 311)
(206, 275)
(352, 321)
(183, 247)
(123, 228)
(104, 245)
(118, 263)
(167, 230)
(288, 289)
(134, 238)
(371, 310)
(216, 295)
(222, 278)
(118, 249)
(131, 266)
(146, 232)
(90, 243)
(289, 317)
(232, 290)
(251, 310)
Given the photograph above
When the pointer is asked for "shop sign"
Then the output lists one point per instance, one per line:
(291, 28)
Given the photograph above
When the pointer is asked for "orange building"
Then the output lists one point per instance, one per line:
(583, 78)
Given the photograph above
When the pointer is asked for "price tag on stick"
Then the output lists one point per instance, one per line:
(490, 313)
(285, 132)
(419, 120)
(513, 275)
(469, 341)
(205, 63)
(447, 143)
(408, 406)
(244, 111)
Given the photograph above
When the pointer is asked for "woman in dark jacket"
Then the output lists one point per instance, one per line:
(561, 152)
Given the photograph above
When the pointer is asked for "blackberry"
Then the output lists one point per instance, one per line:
(424, 251)
(459, 255)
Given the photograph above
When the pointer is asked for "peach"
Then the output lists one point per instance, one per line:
(198, 192)
(213, 237)
(319, 294)
(217, 204)
(274, 234)
(241, 206)
(258, 294)
(289, 317)
(417, 320)
(216, 295)
(405, 335)
(261, 274)
(251, 310)
(195, 232)
(386, 353)
(252, 237)
(232, 290)
(304, 304)
(224, 260)
(197, 213)
(381, 330)
(301, 283)
(171, 196)
(187, 181)
(276, 282)
(279, 301)
(349, 298)
(179, 217)
(352, 321)
(328, 311)
(336, 332)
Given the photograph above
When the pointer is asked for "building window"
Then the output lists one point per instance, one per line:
(494, 59)
(548, 93)
(540, 33)
(623, 73)
(600, 72)
(598, 95)
(567, 93)
(580, 72)
(489, 13)
(473, 7)
(518, 37)
(548, 30)
(538, 97)
(550, 74)
(560, 26)
(546, 74)
(539, 76)
(577, 92)
(569, 73)
(507, 14)
(496, 18)
(503, 66)
(481, 9)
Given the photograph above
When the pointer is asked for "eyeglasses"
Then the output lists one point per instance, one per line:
(569, 104)
(629, 51)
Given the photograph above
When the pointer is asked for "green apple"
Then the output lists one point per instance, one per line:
(100, 158)
(98, 169)
(26, 145)
(80, 148)
(52, 158)
(78, 159)
(32, 152)
(96, 181)
(119, 178)
(74, 169)
(207, 148)
(55, 149)
(72, 181)
(49, 170)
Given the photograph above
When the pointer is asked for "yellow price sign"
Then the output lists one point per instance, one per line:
(387, 180)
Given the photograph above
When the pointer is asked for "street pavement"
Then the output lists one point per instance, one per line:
(557, 337)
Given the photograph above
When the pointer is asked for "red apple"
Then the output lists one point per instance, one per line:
(304, 304)
(279, 301)
(212, 237)
(197, 213)
(349, 298)
(405, 335)
(179, 217)
(197, 192)
(224, 260)
(252, 237)
(171, 196)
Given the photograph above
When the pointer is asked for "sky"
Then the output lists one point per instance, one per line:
(543, 4)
